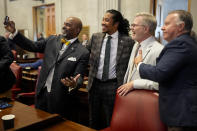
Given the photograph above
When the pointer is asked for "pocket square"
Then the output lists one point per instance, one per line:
(72, 59)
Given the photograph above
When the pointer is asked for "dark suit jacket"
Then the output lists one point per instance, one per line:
(125, 45)
(72, 62)
(176, 72)
(7, 77)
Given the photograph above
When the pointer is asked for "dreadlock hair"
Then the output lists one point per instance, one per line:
(123, 26)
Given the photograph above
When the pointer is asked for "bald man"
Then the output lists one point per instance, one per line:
(64, 57)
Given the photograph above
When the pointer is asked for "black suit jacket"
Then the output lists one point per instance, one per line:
(176, 72)
(125, 45)
(72, 62)
(7, 77)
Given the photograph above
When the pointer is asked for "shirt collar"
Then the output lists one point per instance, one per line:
(72, 40)
(147, 42)
(114, 35)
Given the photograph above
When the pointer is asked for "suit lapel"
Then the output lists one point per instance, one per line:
(130, 65)
(98, 48)
(100, 43)
(59, 43)
(147, 51)
(120, 48)
(70, 49)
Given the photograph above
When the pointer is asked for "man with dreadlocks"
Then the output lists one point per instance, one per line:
(110, 52)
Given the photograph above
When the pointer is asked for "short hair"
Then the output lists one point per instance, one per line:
(185, 17)
(41, 34)
(123, 26)
(148, 20)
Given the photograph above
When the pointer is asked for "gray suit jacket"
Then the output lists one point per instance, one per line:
(125, 45)
(72, 62)
(150, 51)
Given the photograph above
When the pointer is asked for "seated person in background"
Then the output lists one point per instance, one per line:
(84, 40)
(7, 78)
(37, 63)
(40, 36)
(33, 65)
(143, 31)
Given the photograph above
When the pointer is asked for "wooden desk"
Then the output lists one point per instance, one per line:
(30, 75)
(28, 82)
(67, 126)
(28, 60)
(27, 117)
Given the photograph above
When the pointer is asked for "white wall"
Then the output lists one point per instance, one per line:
(20, 11)
(86, 10)
(2, 15)
(129, 8)
(89, 11)
(193, 12)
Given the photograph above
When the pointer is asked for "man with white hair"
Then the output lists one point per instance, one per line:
(176, 73)
(143, 30)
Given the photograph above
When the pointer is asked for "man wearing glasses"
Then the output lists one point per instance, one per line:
(143, 30)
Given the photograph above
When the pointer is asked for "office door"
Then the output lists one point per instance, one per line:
(50, 20)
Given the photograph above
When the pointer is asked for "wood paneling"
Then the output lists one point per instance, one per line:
(50, 20)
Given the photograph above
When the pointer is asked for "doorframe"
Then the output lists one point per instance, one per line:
(153, 6)
(34, 11)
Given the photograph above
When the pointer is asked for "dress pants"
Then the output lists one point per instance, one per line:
(101, 102)
(43, 101)
(68, 109)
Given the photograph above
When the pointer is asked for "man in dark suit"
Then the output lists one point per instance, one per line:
(7, 77)
(176, 72)
(109, 58)
(62, 59)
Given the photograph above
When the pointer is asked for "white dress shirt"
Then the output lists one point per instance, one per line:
(113, 55)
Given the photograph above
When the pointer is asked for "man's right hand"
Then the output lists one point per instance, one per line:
(125, 89)
(10, 27)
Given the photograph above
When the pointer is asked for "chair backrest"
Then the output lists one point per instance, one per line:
(17, 70)
(137, 111)
(40, 55)
(14, 54)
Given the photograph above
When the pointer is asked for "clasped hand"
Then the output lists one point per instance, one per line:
(138, 59)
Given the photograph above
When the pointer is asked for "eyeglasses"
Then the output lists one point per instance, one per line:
(134, 25)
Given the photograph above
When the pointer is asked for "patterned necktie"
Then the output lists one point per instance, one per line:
(132, 65)
(63, 41)
(137, 49)
(105, 74)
